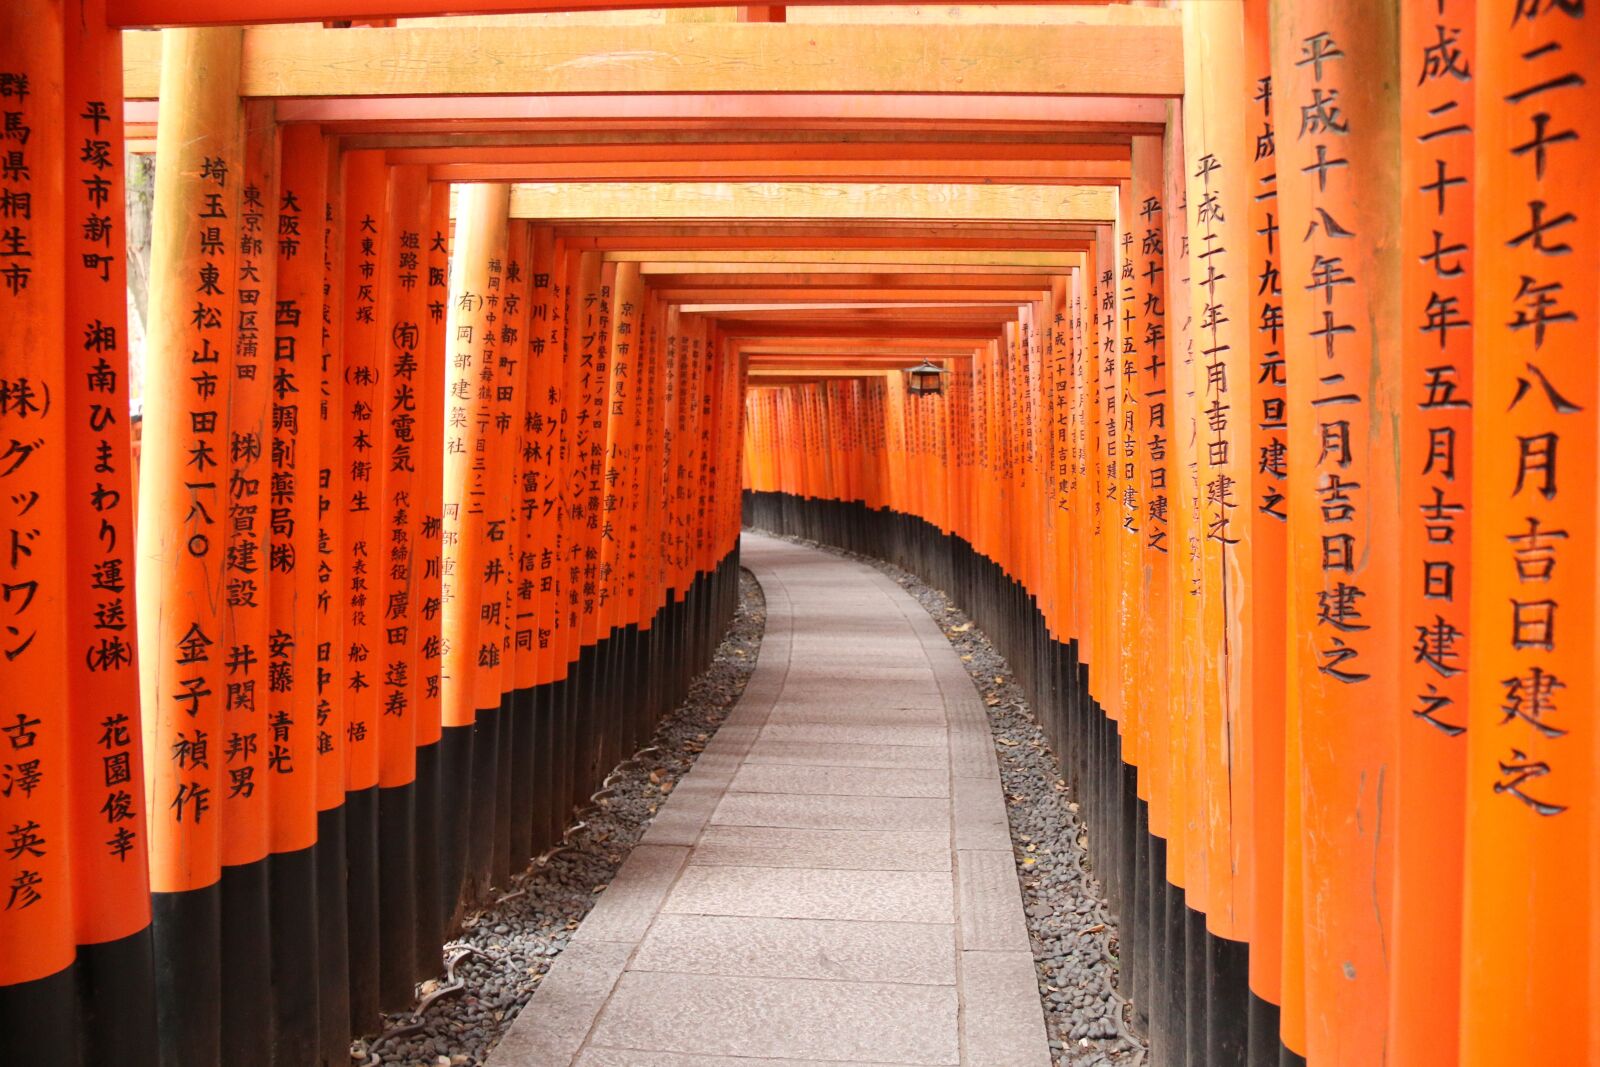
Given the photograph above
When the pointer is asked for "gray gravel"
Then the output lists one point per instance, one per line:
(1074, 937)
(503, 952)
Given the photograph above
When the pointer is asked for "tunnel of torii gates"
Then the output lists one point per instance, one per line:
(468, 338)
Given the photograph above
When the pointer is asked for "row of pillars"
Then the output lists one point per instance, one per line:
(426, 521)
(1303, 471)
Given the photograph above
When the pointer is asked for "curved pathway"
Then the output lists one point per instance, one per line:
(831, 884)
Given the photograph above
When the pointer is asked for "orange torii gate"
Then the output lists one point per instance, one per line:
(527, 430)
(1287, 305)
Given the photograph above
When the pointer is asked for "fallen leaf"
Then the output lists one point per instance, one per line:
(601, 888)
(1096, 928)
(966, 659)
(1006, 741)
(994, 702)
(963, 628)
(999, 680)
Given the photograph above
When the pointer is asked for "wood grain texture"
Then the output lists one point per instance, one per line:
(810, 200)
(1071, 60)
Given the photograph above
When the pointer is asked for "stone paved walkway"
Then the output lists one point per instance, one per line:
(831, 884)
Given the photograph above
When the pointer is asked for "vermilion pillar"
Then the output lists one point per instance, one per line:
(1436, 166)
(294, 434)
(246, 577)
(1531, 737)
(110, 865)
(1334, 70)
(182, 532)
(36, 880)
(359, 651)
(1218, 177)
(333, 928)
(1152, 440)
(1268, 524)
(400, 504)
(514, 809)
(480, 231)
(434, 901)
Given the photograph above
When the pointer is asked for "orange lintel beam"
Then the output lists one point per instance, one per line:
(824, 362)
(1031, 172)
(942, 315)
(1106, 56)
(785, 345)
(856, 280)
(729, 237)
(887, 329)
(743, 111)
(689, 149)
(777, 294)
(142, 13)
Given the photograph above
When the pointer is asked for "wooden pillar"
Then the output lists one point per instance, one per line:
(534, 497)
(246, 805)
(1436, 94)
(36, 805)
(588, 326)
(434, 903)
(513, 825)
(1531, 738)
(182, 538)
(480, 235)
(403, 304)
(1185, 855)
(1153, 441)
(1268, 526)
(289, 750)
(365, 236)
(110, 865)
(618, 519)
(1334, 69)
(1218, 176)
(333, 927)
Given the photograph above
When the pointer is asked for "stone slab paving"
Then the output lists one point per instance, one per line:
(831, 885)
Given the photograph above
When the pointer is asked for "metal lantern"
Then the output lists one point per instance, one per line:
(925, 379)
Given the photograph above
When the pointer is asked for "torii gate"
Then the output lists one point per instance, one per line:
(799, 203)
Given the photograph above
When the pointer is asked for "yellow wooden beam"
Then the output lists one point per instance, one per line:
(1054, 172)
(1087, 59)
(653, 268)
(801, 371)
(754, 260)
(812, 200)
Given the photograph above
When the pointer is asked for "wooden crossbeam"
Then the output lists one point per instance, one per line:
(812, 200)
(137, 13)
(651, 268)
(827, 359)
(1048, 172)
(900, 327)
(883, 281)
(572, 147)
(837, 235)
(777, 346)
(814, 295)
(686, 159)
(922, 113)
(1094, 59)
(755, 260)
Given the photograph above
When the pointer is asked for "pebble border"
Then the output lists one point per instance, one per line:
(494, 965)
(1074, 937)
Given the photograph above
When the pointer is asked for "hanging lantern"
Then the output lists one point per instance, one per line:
(925, 379)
